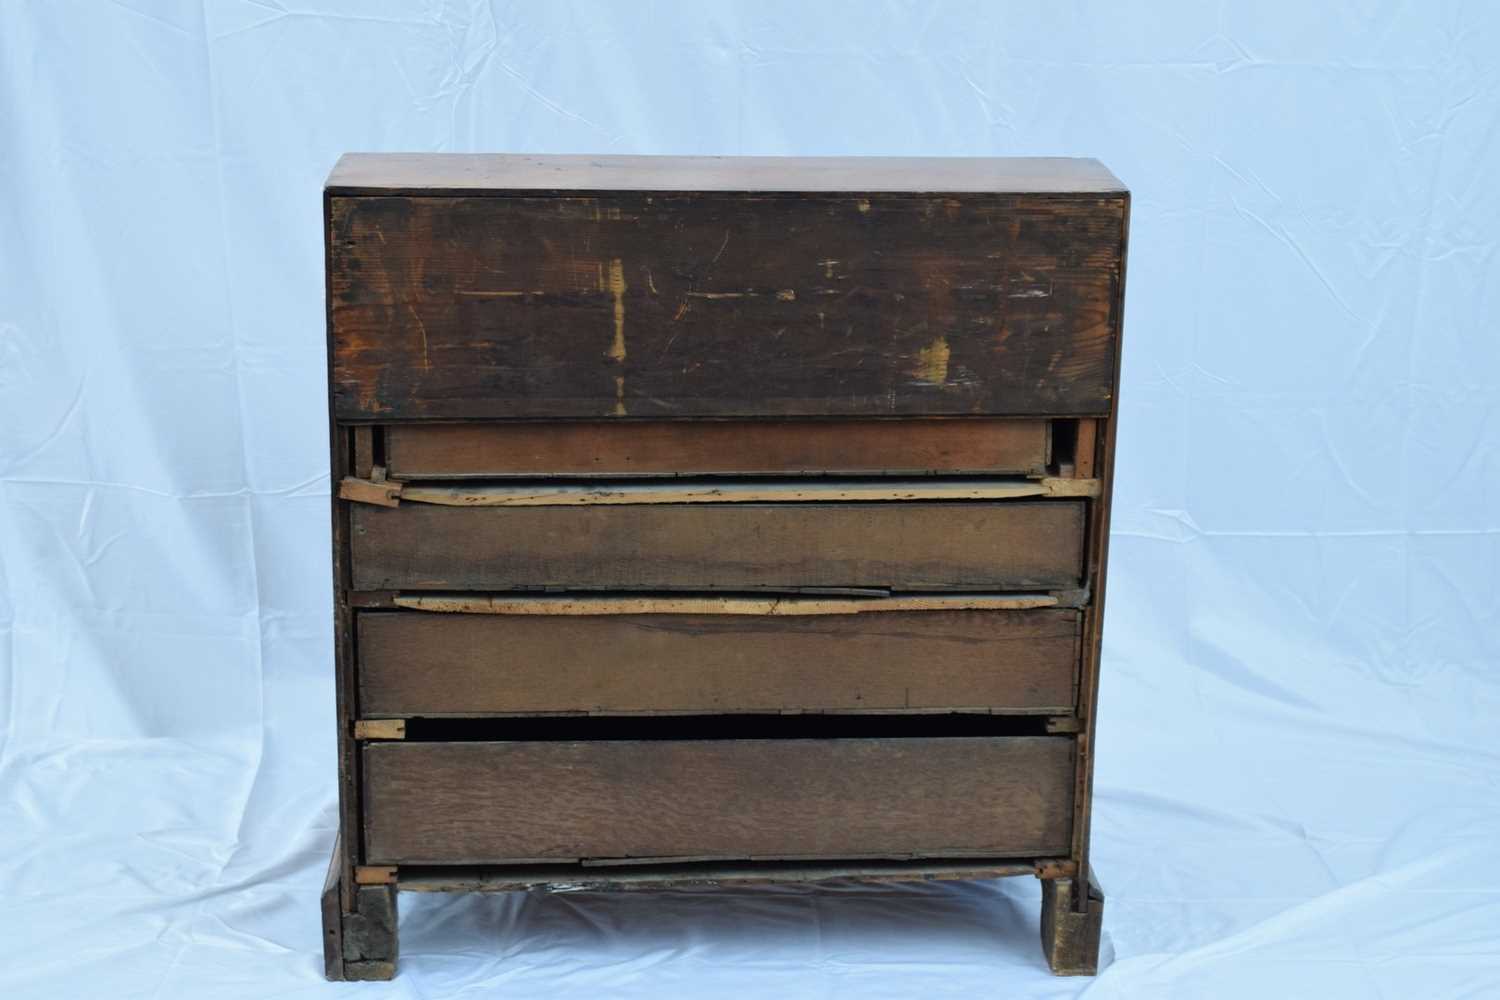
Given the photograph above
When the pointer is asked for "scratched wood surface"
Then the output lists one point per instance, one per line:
(719, 305)
(717, 447)
(435, 664)
(999, 545)
(489, 803)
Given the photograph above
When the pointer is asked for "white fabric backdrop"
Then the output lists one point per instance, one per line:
(1299, 771)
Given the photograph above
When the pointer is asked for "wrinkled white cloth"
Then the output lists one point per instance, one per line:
(1299, 772)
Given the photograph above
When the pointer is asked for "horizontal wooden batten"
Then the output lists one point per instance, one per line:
(723, 305)
(718, 447)
(916, 546)
(711, 491)
(491, 803)
(662, 604)
(990, 661)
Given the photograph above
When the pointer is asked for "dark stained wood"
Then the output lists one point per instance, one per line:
(1093, 623)
(484, 803)
(464, 173)
(628, 878)
(723, 305)
(331, 905)
(718, 447)
(433, 664)
(1006, 545)
(709, 317)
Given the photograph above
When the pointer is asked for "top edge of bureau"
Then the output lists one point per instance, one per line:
(461, 174)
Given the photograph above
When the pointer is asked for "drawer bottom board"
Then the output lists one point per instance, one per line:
(479, 803)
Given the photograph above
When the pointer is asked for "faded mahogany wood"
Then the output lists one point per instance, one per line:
(723, 305)
(718, 447)
(1083, 466)
(423, 664)
(486, 803)
(427, 174)
(1003, 545)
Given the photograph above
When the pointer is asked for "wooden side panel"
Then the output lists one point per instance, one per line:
(483, 803)
(719, 447)
(1006, 545)
(723, 305)
(427, 664)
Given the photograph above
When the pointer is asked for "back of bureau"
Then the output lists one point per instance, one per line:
(717, 520)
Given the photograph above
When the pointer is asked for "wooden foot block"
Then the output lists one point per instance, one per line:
(1070, 937)
(361, 945)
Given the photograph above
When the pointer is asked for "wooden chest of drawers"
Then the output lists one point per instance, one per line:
(716, 521)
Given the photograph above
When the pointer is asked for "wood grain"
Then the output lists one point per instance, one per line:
(916, 661)
(723, 305)
(718, 447)
(1004, 545)
(716, 491)
(488, 803)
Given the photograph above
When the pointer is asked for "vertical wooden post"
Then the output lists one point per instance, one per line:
(1070, 934)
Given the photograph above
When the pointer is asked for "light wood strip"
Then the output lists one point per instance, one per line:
(563, 495)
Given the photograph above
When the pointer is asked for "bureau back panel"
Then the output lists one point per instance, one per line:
(633, 304)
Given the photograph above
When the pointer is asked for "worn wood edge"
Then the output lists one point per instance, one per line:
(1071, 925)
(369, 971)
(547, 604)
(331, 905)
(576, 878)
(559, 495)
(381, 494)
(1097, 554)
(374, 874)
(371, 933)
(1065, 724)
(380, 729)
